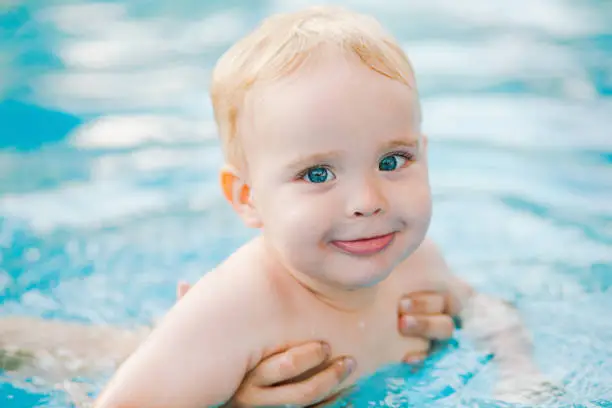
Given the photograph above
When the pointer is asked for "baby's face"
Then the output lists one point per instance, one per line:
(335, 171)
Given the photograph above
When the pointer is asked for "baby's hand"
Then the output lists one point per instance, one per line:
(530, 389)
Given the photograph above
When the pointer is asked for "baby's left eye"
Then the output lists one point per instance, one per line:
(392, 162)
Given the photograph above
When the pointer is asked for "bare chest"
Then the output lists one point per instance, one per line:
(372, 337)
(372, 340)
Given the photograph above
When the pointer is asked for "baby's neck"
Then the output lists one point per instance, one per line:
(342, 299)
(350, 301)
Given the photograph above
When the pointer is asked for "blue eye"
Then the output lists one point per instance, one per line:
(392, 162)
(318, 175)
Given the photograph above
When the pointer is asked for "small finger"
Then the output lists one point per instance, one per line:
(312, 390)
(435, 327)
(290, 363)
(423, 303)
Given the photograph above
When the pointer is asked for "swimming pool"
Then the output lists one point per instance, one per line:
(108, 187)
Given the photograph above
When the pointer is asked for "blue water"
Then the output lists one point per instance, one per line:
(108, 159)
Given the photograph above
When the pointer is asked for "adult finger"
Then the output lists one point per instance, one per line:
(435, 327)
(310, 391)
(423, 303)
(414, 358)
(181, 289)
(290, 363)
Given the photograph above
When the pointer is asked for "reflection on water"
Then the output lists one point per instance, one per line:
(108, 159)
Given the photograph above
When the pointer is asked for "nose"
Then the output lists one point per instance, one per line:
(366, 200)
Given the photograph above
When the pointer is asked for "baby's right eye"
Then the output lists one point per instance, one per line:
(318, 175)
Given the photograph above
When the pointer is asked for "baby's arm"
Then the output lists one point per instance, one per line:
(197, 356)
(495, 326)
(55, 350)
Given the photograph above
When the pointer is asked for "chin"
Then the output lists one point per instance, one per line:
(363, 273)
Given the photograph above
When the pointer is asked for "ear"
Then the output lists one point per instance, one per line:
(238, 194)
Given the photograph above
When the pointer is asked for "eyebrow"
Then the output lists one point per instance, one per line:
(302, 162)
(412, 142)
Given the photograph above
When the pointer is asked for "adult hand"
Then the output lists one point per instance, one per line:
(304, 375)
(301, 374)
(428, 315)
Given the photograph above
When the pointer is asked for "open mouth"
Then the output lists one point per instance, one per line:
(366, 246)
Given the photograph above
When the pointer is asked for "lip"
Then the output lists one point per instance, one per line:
(366, 246)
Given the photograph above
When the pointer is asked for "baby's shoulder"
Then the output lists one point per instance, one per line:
(243, 280)
(426, 256)
(423, 269)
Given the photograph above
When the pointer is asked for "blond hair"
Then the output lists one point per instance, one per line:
(282, 43)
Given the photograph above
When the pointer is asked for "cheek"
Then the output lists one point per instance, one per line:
(415, 199)
(290, 217)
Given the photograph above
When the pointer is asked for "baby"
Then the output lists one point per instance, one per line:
(320, 123)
